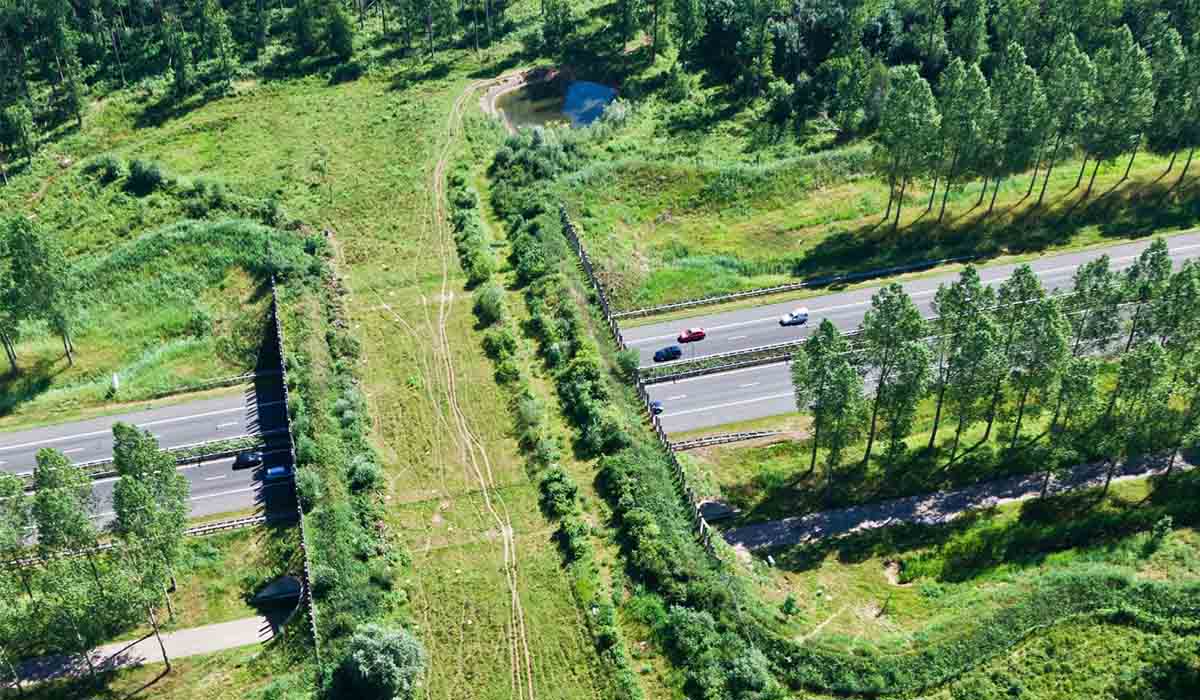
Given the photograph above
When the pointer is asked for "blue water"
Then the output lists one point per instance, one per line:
(585, 102)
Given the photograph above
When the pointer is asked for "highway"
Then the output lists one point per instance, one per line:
(215, 486)
(715, 399)
(255, 411)
(754, 327)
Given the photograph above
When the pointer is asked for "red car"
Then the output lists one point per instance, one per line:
(691, 335)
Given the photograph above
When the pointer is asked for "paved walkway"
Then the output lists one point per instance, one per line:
(179, 644)
(929, 509)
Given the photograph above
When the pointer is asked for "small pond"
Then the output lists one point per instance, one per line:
(537, 105)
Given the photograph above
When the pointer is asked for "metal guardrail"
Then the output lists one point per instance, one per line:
(585, 261)
(766, 291)
(196, 531)
(725, 439)
(716, 369)
(212, 384)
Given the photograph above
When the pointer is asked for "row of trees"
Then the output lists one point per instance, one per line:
(76, 596)
(1022, 120)
(35, 285)
(1015, 344)
(53, 51)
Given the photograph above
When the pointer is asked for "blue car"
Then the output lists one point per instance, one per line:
(671, 352)
(656, 407)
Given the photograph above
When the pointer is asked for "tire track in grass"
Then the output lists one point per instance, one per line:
(521, 657)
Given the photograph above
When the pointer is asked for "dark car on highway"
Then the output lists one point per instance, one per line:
(245, 460)
(671, 352)
(656, 407)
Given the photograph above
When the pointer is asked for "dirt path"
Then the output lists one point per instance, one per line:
(929, 509)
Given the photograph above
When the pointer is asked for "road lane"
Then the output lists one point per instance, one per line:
(215, 488)
(728, 397)
(754, 327)
(236, 415)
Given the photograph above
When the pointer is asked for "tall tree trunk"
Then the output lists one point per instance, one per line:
(899, 204)
(66, 341)
(995, 191)
(1020, 415)
(949, 179)
(932, 193)
(1049, 169)
(1092, 181)
(157, 635)
(812, 465)
(1108, 476)
(874, 418)
(1137, 313)
(1171, 164)
(962, 419)
(982, 192)
(1129, 167)
(891, 196)
(10, 351)
(1082, 169)
(937, 414)
(1045, 483)
(1187, 164)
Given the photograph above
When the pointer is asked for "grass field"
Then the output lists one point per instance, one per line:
(856, 594)
(672, 227)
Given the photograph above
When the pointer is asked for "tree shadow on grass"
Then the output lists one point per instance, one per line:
(1131, 210)
(29, 382)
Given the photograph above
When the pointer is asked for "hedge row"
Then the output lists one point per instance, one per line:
(470, 234)
(558, 492)
(338, 476)
(698, 622)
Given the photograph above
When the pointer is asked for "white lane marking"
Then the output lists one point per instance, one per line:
(998, 280)
(747, 386)
(193, 498)
(676, 398)
(164, 421)
(738, 337)
(215, 478)
(728, 405)
(226, 425)
(73, 450)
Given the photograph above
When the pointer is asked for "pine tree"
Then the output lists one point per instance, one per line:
(1093, 309)
(908, 131)
(1070, 94)
(890, 332)
(1124, 103)
(1022, 116)
(966, 112)
(1173, 95)
(959, 307)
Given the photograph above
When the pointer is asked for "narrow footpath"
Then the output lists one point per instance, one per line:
(928, 509)
(179, 644)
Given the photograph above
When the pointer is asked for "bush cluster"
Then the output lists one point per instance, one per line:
(339, 482)
(635, 472)
(470, 234)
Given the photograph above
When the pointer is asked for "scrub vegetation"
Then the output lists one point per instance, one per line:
(485, 513)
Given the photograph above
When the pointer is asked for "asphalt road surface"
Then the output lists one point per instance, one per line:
(727, 397)
(252, 412)
(215, 488)
(754, 327)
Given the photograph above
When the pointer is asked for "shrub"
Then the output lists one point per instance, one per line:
(380, 664)
(144, 177)
(507, 371)
(558, 492)
(107, 167)
(364, 474)
(489, 304)
(324, 580)
(628, 361)
(310, 487)
(500, 343)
